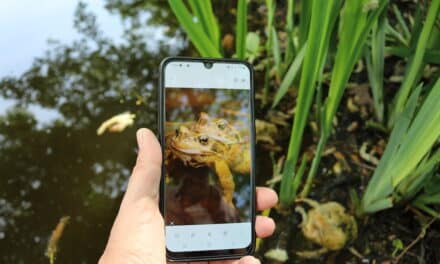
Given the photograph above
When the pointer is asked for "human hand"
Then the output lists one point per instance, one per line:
(138, 233)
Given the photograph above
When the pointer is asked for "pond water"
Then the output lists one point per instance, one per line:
(53, 163)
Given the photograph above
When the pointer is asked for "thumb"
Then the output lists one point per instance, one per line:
(145, 178)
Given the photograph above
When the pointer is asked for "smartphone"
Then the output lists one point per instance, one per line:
(207, 133)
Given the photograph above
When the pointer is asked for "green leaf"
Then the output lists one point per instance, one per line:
(288, 56)
(423, 133)
(415, 64)
(289, 77)
(401, 21)
(431, 55)
(241, 29)
(354, 30)
(304, 21)
(375, 65)
(378, 205)
(194, 28)
(324, 14)
(404, 167)
(433, 186)
(416, 180)
(398, 245)
(203, 10)
(380, 185)
(429, 199)
(298, 177)
(276, 52)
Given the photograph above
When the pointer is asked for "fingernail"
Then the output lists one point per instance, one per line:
(140, 136)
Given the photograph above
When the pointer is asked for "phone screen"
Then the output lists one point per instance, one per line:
(208, 156)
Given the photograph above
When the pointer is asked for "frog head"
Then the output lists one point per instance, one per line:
(217, 128)
(195, 148)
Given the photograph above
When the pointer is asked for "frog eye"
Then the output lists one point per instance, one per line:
(222, 124)
(203, 139)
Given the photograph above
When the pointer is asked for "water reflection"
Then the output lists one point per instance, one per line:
(61, 167)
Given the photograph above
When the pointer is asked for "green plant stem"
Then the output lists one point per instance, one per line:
(314, 167)
(355, 27)
(289, 54)
(241, 29)
(324, 14)
(269, 42)
(392, 32)
(276, 53)
(304, 21)
(375, 65)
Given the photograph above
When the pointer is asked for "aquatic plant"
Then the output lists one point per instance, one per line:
(415, 61)
(324, 14)
(200, 25)
(409, 161)
(374, 58)
(356, 21)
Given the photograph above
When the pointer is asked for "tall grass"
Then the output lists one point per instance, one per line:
(375, 57)
(407, 161)
(324, 14)
(415, 63)
(355, 24)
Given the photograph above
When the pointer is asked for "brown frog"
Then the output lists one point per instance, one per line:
(327, 225)
(217, 128)
(213, 143)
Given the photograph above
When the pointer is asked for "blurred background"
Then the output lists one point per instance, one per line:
(65, 67)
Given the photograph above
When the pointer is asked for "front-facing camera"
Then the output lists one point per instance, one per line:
(208, 65)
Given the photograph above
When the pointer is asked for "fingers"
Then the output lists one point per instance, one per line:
(264, 226)
(266, 198)
(145, 178)
(243, 260)
(248, 260)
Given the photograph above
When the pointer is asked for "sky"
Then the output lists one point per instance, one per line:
(26, 26)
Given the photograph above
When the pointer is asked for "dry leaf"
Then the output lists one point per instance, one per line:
(116, 123)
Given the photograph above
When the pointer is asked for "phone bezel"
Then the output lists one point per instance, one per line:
(215, 254)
